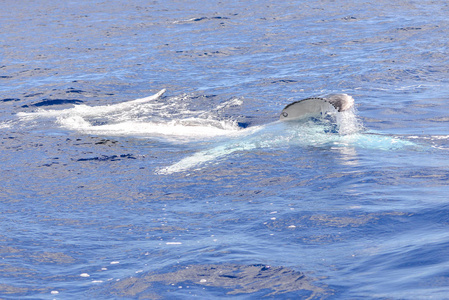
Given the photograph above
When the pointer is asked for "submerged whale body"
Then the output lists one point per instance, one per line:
(317, 105)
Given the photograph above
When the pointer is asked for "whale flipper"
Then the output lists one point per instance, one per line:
(316, 105)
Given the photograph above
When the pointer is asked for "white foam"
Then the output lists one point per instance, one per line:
(243, 142)
(4, 125)
(281, 134)
(347, 122)
(143, 117)
(172, 130)
(230, 103)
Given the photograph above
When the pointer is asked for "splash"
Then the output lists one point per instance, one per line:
(348, 123)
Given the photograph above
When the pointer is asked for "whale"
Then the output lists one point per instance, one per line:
(313, 106)
(327, 122)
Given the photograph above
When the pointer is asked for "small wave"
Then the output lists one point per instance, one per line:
(108, 158)
(436, 141)
(51, 102)
(4, 125)
(9, 99)
(199, 19)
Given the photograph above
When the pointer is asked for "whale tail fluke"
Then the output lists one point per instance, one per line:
(317, 105)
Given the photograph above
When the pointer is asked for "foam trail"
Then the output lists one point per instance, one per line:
(171, 119)
(174, 130)
(209, 155)
(286, 134)
(89, 111)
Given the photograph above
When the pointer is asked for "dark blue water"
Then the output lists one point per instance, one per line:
(203, 193)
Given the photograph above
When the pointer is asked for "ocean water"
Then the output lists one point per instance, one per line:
(202, 192)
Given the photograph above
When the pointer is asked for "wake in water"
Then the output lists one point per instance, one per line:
(340, 131)
(328, 123)
(174, 119)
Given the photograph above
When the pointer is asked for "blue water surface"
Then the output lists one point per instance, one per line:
(203, 193)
